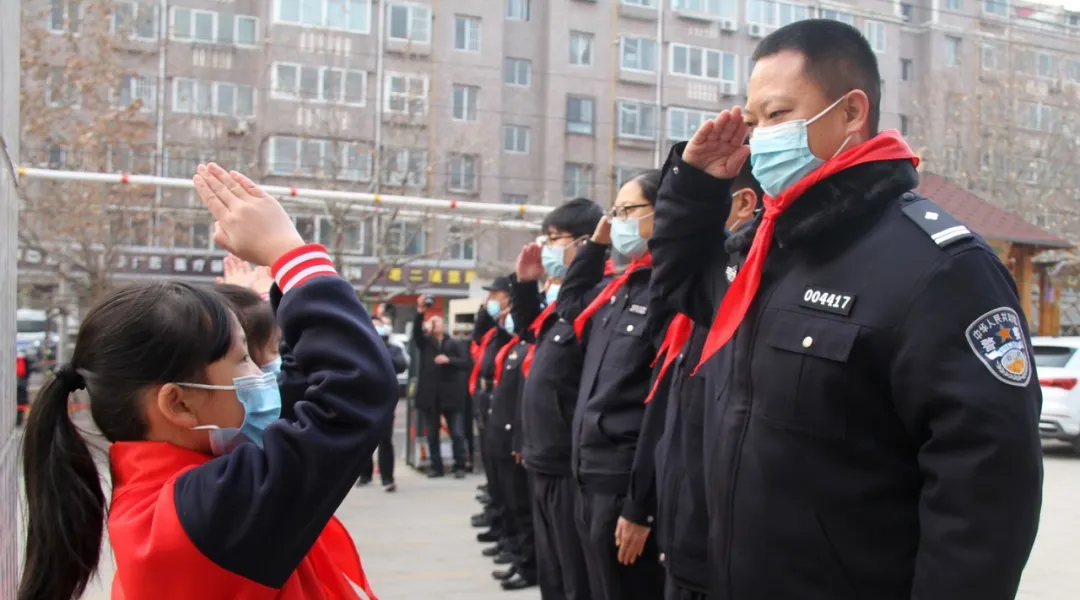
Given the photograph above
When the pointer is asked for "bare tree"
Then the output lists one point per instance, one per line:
(85, 106)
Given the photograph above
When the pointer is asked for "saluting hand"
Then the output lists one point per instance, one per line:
(602, 235)
(249, 222)
(719, 145)
(529, 265)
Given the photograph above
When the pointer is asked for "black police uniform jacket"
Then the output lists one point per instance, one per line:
(505, 401)
(873, 423)
(681, 519)
(620, 343)
(484, 387)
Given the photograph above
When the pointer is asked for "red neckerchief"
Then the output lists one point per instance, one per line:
(609, 291)
(478, 358)
(887, 145)
(678, 332)
(500, 358)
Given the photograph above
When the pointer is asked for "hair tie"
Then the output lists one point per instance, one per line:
(70, 377)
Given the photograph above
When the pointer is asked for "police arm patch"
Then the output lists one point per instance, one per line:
(997, 339)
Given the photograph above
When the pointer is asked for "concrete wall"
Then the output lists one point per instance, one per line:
(9, 152)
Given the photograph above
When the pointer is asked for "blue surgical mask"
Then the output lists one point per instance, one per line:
(780, 154)
(261, 398)
(626, 237)
(553, 257)
(381, 330)
(273, 366)
(493, 308)
(508, 324)
(552, 293)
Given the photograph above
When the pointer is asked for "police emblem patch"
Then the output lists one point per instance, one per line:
(998, 340)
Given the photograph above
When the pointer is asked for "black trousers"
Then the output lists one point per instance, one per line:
(597, 515)
(672, 591)
(455, 421)
(517, 520)
(386, 458)
(560, 557)
(497, 506)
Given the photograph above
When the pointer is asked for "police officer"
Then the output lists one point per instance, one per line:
(872, 407)
(549, 396)
(620, 327)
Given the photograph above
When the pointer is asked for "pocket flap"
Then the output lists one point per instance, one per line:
(813, 336)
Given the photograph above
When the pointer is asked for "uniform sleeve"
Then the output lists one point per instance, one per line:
(964, 386)
(524, 306)
(419, 338)
(640, 505)
(257, 512)
(579, 287)
(687, 243)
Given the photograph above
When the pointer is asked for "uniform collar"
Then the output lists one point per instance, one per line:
(150, 463)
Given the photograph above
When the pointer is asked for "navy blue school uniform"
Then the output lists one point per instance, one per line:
(873, 423)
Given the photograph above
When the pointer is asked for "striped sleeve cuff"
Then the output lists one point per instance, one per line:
(301, 264)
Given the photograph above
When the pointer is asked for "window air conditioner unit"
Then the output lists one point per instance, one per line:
(728, 88)
(728, 25)
(757, 31)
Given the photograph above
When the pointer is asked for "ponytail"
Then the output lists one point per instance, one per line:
(64, 499)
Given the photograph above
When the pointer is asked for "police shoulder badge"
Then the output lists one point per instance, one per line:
(997, 338)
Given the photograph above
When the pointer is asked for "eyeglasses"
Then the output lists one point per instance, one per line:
(622, 212)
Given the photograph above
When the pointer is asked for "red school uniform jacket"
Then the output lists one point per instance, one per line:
(258, 524)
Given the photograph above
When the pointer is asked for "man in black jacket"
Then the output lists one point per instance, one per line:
(386, 443)
(440, 391)
(549, 396)
(871, 401)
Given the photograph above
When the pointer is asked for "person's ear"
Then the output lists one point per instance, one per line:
(856, 112)
(175, 405)
(748, 201)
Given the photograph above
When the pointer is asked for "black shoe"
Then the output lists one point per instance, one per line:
(504, 558)
(435, 474)
(363, 481)
(481, 520)
(492, 551)
(483, 487)
(390, 487)
(459, 474)
(504, 575)
(483, 499)
(518, 582)
(487, 537)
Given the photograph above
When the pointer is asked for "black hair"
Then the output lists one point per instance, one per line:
(838, 58)
(577, 217)
(649, 182)
(146, 334)
(745, 179)
(256, 318)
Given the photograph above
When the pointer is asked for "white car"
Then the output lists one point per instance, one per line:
(1057, 361)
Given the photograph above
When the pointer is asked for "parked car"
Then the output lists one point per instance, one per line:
(1057, 361)
(402, 340)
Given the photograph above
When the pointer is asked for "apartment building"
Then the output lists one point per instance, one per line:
(530, 101)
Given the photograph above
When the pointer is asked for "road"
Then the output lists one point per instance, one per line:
(417, 543)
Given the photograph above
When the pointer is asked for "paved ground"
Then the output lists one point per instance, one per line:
(417, 543)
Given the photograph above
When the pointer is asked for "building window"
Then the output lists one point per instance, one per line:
(355, 162)
(517, 10)
(954, 5)
(875, 34)
(1039, 117)
(581, 48)
(134, 88)
(194, 97)
(352, 234)
(405, 168)
(952, 51)
(304, 157)
(637, 120)
(66, 15)
(716, 8)
(996, 7)
(579, 114)
(517, 71)
(465, 100)
(903, 125)
(135, 19)
(409, 23)
(637, 54)
(991, 58)
(702, 63)
(1072, 71)
(577, 180)
(620, 175)
(405, 238)
(836, 15)
(209, 27)
(342, 15)
(516, 139)
(406, 94)
(59, 90)
(462, 246)
(906, 12)
(518, 199)
(1046, 66)
(462, 173)
(467, 33)
(318, 84)
(775, 14)
(683, 123)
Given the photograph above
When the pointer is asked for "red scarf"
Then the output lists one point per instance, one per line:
(500, 358)
(609, 292)
(887, 145)
(478, 357)
(678, 332)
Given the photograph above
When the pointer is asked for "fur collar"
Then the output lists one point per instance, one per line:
(842, 199)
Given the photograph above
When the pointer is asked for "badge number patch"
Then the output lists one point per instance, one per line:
(998, 340)
(827, 300)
